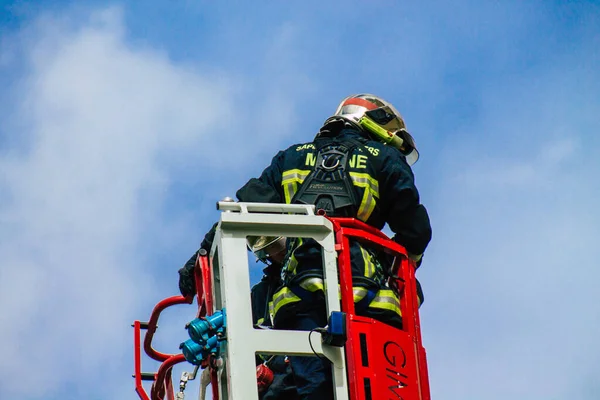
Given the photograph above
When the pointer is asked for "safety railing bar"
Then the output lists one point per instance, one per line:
(142, 393)
(204, 274)
(385, 243)
(158, 388)
(148, 376)
(169, 385)
(346, 285)
(343, 222)
(279, 208)
(152, 324)
(138, 361)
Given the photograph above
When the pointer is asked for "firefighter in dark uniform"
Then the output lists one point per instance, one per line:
(271, 251)
(357, 166)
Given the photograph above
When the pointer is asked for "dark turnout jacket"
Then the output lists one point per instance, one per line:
(385, 192)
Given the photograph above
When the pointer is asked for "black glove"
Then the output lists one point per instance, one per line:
(187, 283)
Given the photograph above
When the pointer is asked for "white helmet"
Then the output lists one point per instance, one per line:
(379, 118)
(265, 248)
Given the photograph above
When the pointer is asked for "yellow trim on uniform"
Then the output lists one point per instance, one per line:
(363, 179)
(359, 293)
(370, 194)
(370, 267)
(312, 284)
(271, 311)
(283, 297)
(290, 180)
(292, 263)
(386, 299)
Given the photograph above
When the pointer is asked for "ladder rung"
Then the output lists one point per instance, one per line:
(147, 376)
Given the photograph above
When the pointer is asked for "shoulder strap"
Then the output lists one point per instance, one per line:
(329, 186)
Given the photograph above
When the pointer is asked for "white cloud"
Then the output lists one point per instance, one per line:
(534, 170)
(511, 275)
(100, 123)
(97, 124)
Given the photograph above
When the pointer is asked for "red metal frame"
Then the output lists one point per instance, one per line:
(383, 361)
(162, 380)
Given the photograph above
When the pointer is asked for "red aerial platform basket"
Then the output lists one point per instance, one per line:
(383, 362)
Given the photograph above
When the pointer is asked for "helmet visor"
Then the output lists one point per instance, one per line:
(409, 148)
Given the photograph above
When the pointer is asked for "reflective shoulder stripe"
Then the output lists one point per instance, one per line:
(362, 179)
(370, 195)
(295, 175)
(290, 180)
(386, 299)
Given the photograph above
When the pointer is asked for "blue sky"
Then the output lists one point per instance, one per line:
(121, 124)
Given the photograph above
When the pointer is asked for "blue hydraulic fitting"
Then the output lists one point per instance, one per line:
(205, 334)
(194, 352)
(201, 329)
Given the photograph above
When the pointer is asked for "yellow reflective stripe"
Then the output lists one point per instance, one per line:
(386, 299)
(369, 264)
(260, 321)
(283, 297)
(271, 311)
(370, 194)
(367, 205)
(290, 267)
(365, 180)
(294, 175)
(312, 284)
(290, 180)
(359, 293)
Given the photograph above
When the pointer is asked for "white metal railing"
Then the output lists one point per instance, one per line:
(231, 290)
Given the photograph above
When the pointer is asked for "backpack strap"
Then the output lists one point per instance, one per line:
(329, 186)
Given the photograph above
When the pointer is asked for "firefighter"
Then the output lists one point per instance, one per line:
(358, 165)
(271, 251)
